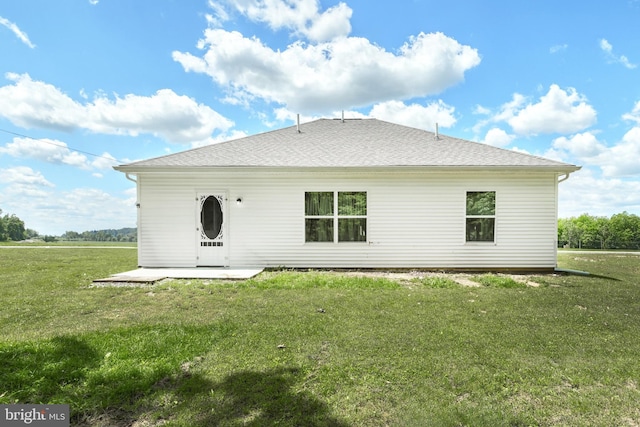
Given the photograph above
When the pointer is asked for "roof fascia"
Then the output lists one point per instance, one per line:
(391, 169)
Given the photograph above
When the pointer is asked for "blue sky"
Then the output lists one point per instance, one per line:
(87, 84)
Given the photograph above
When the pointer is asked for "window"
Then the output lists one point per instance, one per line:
(352, 217)
(481, 216)
(335, 216)
(211, 217)
(319, 218)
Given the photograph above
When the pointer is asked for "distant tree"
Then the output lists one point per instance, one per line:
(625, 230)
(3, 230)
(603, 233)
(30, 234)
(569, 233)
(14, 227)
(621, 231)
(71, 235)
(592, 231)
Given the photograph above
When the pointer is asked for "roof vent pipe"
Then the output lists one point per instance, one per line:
(342, 116)
(437, 134)
(298, 123)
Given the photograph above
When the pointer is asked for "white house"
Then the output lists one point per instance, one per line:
(346, 194)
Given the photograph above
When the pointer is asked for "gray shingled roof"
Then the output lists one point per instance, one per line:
(349, 143)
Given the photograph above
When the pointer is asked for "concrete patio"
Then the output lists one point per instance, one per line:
(152, 275)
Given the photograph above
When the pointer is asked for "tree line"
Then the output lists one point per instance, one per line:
(620, 231)
(109, 235)
(13, 229)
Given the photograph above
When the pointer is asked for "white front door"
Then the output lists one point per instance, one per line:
(211, 229)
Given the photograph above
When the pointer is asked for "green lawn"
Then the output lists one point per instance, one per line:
(320, 349)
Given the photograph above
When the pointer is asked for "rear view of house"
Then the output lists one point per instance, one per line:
(350, 194)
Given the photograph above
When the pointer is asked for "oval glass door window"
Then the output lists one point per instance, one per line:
(211, 217)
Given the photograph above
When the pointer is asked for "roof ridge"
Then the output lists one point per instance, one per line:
(356, 142)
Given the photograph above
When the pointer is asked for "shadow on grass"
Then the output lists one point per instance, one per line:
(41, 372)
(101, 375)
(585, 274)
(253, 398)
(268, 398)
(105, 389)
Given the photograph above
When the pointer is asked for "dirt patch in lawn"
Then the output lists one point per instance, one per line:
(413, 278)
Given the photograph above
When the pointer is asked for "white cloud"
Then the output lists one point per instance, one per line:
(34, 199)
(284, 115)
(558, 48)
(607, 48)
(333, 23)
(498, 138)
(94, 209)
(50, 212)
(634, 115)
(524, 151)
(618, 160)
(479, 109)
(300, 17)
(559, 111)
(415, 115)
(622, 158)
(17, 31)
(28, 103)
(52, 151)
(584, 192)
(585, 146)
(22, 185)
(506, 112)
(104, 161)
(344, 73)
(23, 176)
(509, 109)
(219, 15)
(176, 118)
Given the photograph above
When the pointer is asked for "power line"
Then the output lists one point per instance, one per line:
(61, 146)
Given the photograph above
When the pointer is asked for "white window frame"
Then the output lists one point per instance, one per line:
(336, 218)
(494, 217)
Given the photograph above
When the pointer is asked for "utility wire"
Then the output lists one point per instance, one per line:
(61, 146)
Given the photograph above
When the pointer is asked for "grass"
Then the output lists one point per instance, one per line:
(316, 280)
(320, 349)
(437, 282)
(496, 281)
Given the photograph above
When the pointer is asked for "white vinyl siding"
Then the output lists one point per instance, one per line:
(415, 219)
